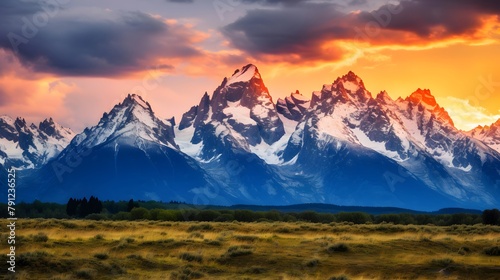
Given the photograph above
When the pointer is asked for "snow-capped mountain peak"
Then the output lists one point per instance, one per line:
(350, 82)
(293, 107)
(240, 114)
(130, 121)
(30, 146)
(56, 130)
(489, 134)
(244, 74)
(384, 98)
(134, 99)
(346, 89)
(424, 98)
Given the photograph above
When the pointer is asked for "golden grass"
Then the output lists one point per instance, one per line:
(79, 249)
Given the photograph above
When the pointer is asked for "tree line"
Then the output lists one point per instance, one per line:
(83, 207)
(95, 209)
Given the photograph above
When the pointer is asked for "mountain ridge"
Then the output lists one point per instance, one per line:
(245, 148)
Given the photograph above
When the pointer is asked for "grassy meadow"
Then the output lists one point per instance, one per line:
(83, 249)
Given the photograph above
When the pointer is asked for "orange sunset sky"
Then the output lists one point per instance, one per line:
(73, 60)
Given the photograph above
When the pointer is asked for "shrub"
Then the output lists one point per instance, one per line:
(312, 263)
(342, 277)
(191, 257)
(236, 251)
(492, 251)
(248, 238)
(214, 242)
(83, 274)
(122, 216)
(284, 230)
(340, 247)
(185, 273)
(224, 218)
(200, 227)
(40, 237)
(99, 237)
(101, 256)
(139, 213)
(96, 217)
(32, 258)
(130, 240)
(442, 262)
(68, 224)
(256, 270)
(196, 234)
(464, 250)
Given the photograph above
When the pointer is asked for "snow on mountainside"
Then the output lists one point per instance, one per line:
(415, 132)
(130, 153)
(29, 146)
(133, 122)
(343, 146)
(293, 107)
(236, 134)
(240, 115)
(489, 134)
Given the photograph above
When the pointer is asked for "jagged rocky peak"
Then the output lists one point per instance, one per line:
(240, 114)
(298, 98)
(495, 126)
(244, 86)
(244, 102)
(346, 89)
(353, 85)
(7, 128)
(134, 99)
(293, 107)
(129, 122)
(135, 109)
(188, 118)
(29, 146)
(244, 74)
(384, 98)
(53, 129)
(19, 123)
(353, 78)
(489, 134)
(424, 98)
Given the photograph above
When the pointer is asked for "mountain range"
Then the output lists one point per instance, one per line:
(343, 145)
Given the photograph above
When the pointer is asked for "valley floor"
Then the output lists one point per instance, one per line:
(81, 249)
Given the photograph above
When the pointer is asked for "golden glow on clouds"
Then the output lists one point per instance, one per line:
(467, 116)
(453, 68)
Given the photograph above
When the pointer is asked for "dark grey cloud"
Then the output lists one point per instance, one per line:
(89, 42)
(300, 30)
(423, 17)
(297, 30)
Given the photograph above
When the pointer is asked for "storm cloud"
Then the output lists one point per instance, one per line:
(302, 30)
(292, 30)
(430, 18)
(90, 42)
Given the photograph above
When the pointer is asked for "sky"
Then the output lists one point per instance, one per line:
(73, 60)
